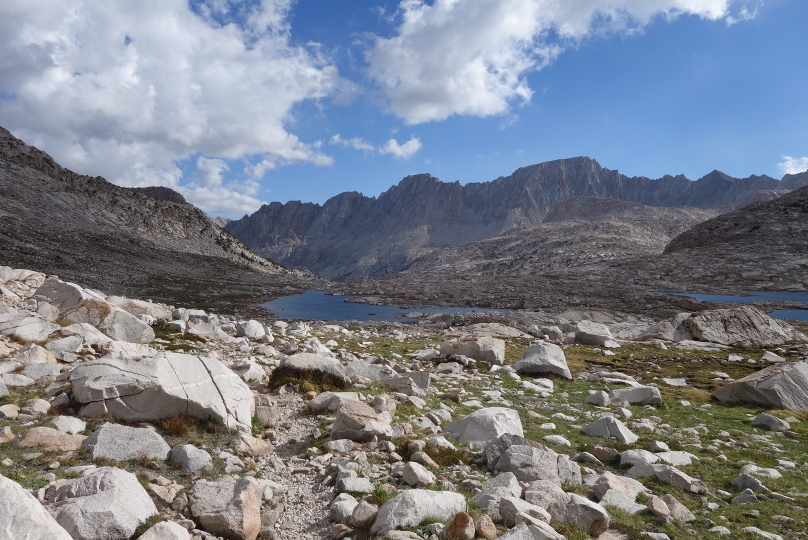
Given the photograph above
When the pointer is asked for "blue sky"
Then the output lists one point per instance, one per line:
(236, 103)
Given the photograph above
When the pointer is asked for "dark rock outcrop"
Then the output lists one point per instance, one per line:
(119, 240)
(160, 193)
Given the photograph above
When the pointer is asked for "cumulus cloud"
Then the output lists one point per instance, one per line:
(128, 89)
(392, 147)
(471, 57)
(357, 143)
(792, 165)
(401, 151)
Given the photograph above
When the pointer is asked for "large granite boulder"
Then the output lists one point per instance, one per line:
(593, 333)
(122, 443)
(638, 395)
(494, 490)
(117, 323)
(610, 427)
(411, 507)
(543, 358)
(484, 349)
(163, 386)
(781, 386)
(359, 422)
(229, 508)
(537, 462)
(105, 503)
(22, 516)
(314, 367)
(486, 424)
(26, 327)
(87, 306)
(742, 326)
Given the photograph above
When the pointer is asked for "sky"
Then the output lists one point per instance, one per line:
(238, 103)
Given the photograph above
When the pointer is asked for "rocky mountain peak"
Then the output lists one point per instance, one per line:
(353, 236)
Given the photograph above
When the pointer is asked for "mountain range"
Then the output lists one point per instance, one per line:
(352, 236)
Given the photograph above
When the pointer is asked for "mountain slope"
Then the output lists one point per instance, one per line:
(352, 236)
(118, 239)
(576, 231)
(762, 246)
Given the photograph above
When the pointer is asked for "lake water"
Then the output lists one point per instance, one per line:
(318, 306)
(753, 296)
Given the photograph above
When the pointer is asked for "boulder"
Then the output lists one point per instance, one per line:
(23, 517)
(330, 401)
(416, 475)
(510, 509)
(546, 494)
(484, 349)
(610, 427)
(26, 328)
(3, 388)
(104, 503)
(190, 459)
(359, 422)
(461, 527)
(314, 367)
(638, 395)
(63, 295)
(69, 424)
(743, 326)
(672, 329)
(140, 308)
(677, 510)
(668, 475)
(342, 507)
(33, 354)
(520, 532)
(494, 490)
(51, 440)
(485, 528)
(592, 333)
(163, 386)
(538, 462)
(166, 530)
(228, 508)
(250, 329)
(770, 422)
(779, 386)
(415, 383)
(411, 507)
(543, 358)
(117, 323)
(486, 424)
(590, 517)
(121, 443)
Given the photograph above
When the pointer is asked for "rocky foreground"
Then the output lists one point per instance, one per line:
(124, 418)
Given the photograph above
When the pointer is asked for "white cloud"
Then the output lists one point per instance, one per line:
(128, 89)
(357, 143)
(471, 56)
(401, 151)
(398, 151)
(209, 171)
(221, 201)
(792, 165)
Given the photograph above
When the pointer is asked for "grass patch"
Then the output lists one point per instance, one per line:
(148, 524)
(307, 380)
(178, 426)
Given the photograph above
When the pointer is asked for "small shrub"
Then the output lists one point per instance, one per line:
(178, 426)
(148, 524)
